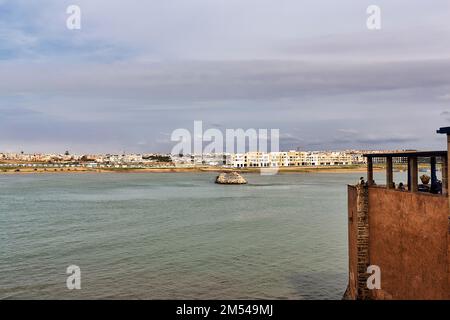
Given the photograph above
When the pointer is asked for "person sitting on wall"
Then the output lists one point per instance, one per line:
(424, 187)
(436, 187)
(361, 181)
(401, 187)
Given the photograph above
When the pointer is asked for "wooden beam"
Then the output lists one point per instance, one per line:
(389, 173)
(422, 154)
(369, 171)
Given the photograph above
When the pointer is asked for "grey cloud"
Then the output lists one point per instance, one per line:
(195, 81)
(385, 140)
(351, 136)
(444, 97)
(140, 69)
(348, 131)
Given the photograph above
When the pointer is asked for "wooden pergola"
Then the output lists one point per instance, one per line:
(413, 169)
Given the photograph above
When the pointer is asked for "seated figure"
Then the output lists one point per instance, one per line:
(424, 187)
(436, 187)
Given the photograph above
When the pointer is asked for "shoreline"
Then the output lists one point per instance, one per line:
(282, 170)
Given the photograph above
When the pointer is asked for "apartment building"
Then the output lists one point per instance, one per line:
(293, 159)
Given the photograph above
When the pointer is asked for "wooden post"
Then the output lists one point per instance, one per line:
(433, 171)
(389, 173)
(369, 171)
(409, 174)
(447, 171)
(445, 175)
(413, 174)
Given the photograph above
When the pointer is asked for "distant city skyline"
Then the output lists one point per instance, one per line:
(253, 159)
(68, 153)
(137, 71)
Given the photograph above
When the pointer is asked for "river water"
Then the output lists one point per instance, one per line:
(174, 236)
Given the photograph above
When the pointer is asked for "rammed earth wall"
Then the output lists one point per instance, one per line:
(406, 235)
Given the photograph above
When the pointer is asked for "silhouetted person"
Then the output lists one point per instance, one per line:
(436, 187)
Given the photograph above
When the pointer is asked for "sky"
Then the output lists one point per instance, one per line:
(138, 70)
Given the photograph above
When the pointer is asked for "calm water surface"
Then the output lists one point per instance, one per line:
(156, 236)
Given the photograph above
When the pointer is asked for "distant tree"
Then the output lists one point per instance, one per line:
(160, 158)
(85, 158)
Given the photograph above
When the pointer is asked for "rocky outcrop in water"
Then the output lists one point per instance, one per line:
(230, 178)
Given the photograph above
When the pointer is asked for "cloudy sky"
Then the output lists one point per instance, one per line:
(137, 70)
